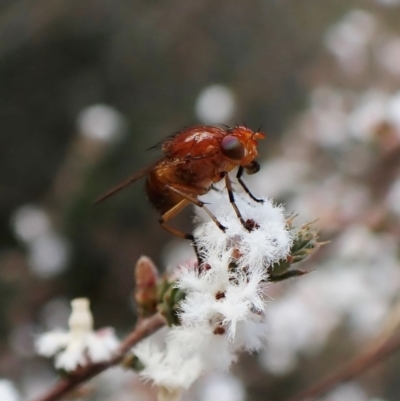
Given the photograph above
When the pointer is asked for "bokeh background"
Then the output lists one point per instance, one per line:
(87, 87)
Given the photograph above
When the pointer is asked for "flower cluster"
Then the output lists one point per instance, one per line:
(223, 311)
(215, 306)
(80, 345)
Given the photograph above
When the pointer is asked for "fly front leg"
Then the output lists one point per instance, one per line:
(251, 168)
(232, 201)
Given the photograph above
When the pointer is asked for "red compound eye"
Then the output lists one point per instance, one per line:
(232, 148)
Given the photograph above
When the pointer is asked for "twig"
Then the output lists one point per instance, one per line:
(144, 328)
(358, 365)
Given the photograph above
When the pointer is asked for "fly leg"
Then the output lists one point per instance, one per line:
(232, 201)
(198, 203)
(216, 189)
(169, 215)
(252, 168)
(177, 208)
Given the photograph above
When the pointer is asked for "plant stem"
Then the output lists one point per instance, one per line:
(144, 328)
(362, 362)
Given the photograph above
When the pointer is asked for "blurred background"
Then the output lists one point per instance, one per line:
(87, 87)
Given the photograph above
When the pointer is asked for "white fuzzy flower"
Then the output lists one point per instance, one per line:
(80, 345)
(224, 307)
(268, 242)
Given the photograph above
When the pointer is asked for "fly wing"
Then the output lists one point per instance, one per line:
(130, 180)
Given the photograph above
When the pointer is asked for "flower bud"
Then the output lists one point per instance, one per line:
(81, 318)
(146, 277)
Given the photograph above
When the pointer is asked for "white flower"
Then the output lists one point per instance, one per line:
(268, 242)
(80, 345)
(221, 295)
(8, 391)
(224, 307)
(348, 40)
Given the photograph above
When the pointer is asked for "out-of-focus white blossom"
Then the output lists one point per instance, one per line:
(48, 254)
(354, 286)
(101, 122)
(215, 104)
(117, 383)
(80, 345)
(223, 311)
(393, 110)
(279, 177)
(278, 361)
(328, 117)
(221, 386)
(335, 201)
(348, 40)
(48, 251)
(8, 391)
(388, 3)
(30, 222)
(349, 392)
(388, 55)
(338, 118)
(370, 111)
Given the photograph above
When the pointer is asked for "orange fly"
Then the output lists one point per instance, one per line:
(194, 159)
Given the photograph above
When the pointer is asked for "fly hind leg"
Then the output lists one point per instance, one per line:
(197, 202)
(169, 215)
(177, 208)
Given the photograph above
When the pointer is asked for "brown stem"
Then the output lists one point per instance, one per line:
(144, 328)
(358, 365)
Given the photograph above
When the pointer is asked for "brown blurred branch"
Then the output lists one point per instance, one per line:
(376, 353)
(144, 328)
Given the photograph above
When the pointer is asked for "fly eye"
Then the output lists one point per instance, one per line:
(232, 148)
